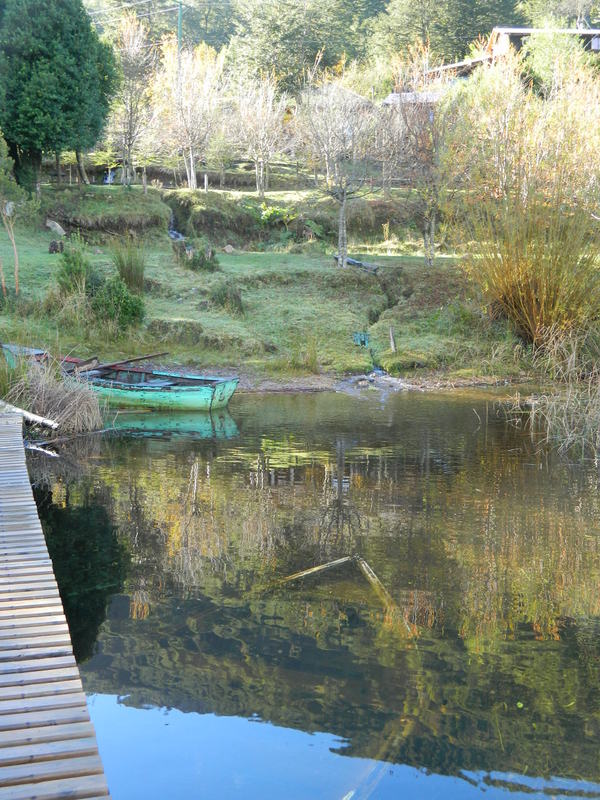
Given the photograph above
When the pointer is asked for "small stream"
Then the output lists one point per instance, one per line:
(209, 678)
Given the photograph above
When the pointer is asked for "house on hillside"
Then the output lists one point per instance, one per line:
(502, 39)
(498, 44)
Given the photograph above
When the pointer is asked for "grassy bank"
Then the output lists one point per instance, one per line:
(298, 310)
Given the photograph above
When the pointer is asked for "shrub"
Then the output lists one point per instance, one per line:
(536, 262)
(75, 269)
(130, 261)
(273, 216)
(113, 301)
(197, 255)
(227, 295)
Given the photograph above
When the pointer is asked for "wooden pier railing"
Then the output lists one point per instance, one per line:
(48, 746)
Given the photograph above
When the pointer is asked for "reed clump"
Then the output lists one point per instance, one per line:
(536, 261)
(568, 416)
(40, 389)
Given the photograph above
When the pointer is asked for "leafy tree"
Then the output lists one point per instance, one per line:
(11, 196)
(56, 78)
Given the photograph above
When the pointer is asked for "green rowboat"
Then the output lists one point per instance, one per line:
(125, 386)
(135, 387)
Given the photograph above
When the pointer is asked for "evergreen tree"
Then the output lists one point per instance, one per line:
(447, 26)
(56, 78)
(285, 38)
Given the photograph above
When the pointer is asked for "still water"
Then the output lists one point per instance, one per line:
(472, 667)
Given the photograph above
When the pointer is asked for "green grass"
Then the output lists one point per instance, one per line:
(299, 311)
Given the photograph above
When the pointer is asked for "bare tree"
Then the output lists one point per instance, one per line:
(336, 127)
(187, 94)
(131, 107)
(260, 112)
(424, 119)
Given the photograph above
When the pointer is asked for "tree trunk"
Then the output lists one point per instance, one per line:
(83, 178)
(342, 233)
(8, 225)
(267, 176)
(58, 169)
(259, 167)
(206, 181)
(145, 180)
(429, 239)
(193, 183)
(2, 281)
(222, 178)
(386, 178)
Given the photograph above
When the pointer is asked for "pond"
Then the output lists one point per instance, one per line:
(470, 664)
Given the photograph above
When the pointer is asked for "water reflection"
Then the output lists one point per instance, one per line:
(489, 663)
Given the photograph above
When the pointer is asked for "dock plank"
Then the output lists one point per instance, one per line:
(48, 747)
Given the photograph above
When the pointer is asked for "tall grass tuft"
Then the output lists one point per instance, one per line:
(130, 260)
(536, 261)
(39, 388)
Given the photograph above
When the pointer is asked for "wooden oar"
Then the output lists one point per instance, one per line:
(130, 360)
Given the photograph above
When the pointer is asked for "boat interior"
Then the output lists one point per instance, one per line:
(141, 377)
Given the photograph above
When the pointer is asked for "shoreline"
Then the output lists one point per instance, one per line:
(250, 384)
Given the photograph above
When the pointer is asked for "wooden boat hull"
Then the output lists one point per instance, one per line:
(173, 398)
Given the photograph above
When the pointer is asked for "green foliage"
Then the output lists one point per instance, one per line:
(315, 229)
(114, 302)
(130, 260)
(447, 26)
(10, 191)
(272, 216)
(228, 296)
(548, 54)
(75, 270)
(284, 39)
(56, 78)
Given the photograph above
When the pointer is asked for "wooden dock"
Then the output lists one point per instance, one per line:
(48, 746)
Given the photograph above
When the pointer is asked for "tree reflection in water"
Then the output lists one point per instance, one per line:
(487, 546)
